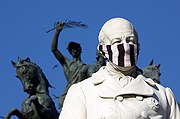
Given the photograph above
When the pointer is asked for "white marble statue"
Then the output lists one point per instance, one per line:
(119, 90)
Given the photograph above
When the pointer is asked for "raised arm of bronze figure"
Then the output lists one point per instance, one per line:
(54, 45)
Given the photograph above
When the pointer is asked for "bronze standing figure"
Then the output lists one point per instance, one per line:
(75, 70)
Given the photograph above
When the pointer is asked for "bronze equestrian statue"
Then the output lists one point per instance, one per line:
(38, 104)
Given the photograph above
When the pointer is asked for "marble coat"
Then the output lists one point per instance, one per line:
(100, 97)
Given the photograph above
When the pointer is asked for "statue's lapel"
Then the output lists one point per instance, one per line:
(137, 87)
(106, 86)
(109, 88)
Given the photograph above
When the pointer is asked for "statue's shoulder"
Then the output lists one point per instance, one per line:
(153, 84)
(96, 77)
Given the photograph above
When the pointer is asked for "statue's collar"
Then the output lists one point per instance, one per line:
(108, 87)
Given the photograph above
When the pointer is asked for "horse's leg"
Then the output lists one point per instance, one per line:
(15, 112)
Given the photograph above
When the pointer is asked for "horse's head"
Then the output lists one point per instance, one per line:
(31, 76)
(152, 71)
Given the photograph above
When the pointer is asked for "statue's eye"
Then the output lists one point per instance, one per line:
(24, 72)
(127, 40)
(18, 67)
(116, 40)
(21, 69)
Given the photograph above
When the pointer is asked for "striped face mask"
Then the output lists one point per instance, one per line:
(123, 55)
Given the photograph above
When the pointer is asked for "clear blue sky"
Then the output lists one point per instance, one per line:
(23, 26)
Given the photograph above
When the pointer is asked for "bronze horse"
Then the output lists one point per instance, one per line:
(152, 71)
(38, 104)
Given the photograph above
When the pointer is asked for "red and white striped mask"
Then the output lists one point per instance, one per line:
(124, 54)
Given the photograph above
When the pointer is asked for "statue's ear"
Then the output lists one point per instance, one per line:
(27, 59)
(158, 66)
(19, 59)
(14, 64)
(151, 63)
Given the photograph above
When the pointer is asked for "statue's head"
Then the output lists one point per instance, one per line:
(74, 49)
(26, 73)
(118, 41)
(31, 76)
